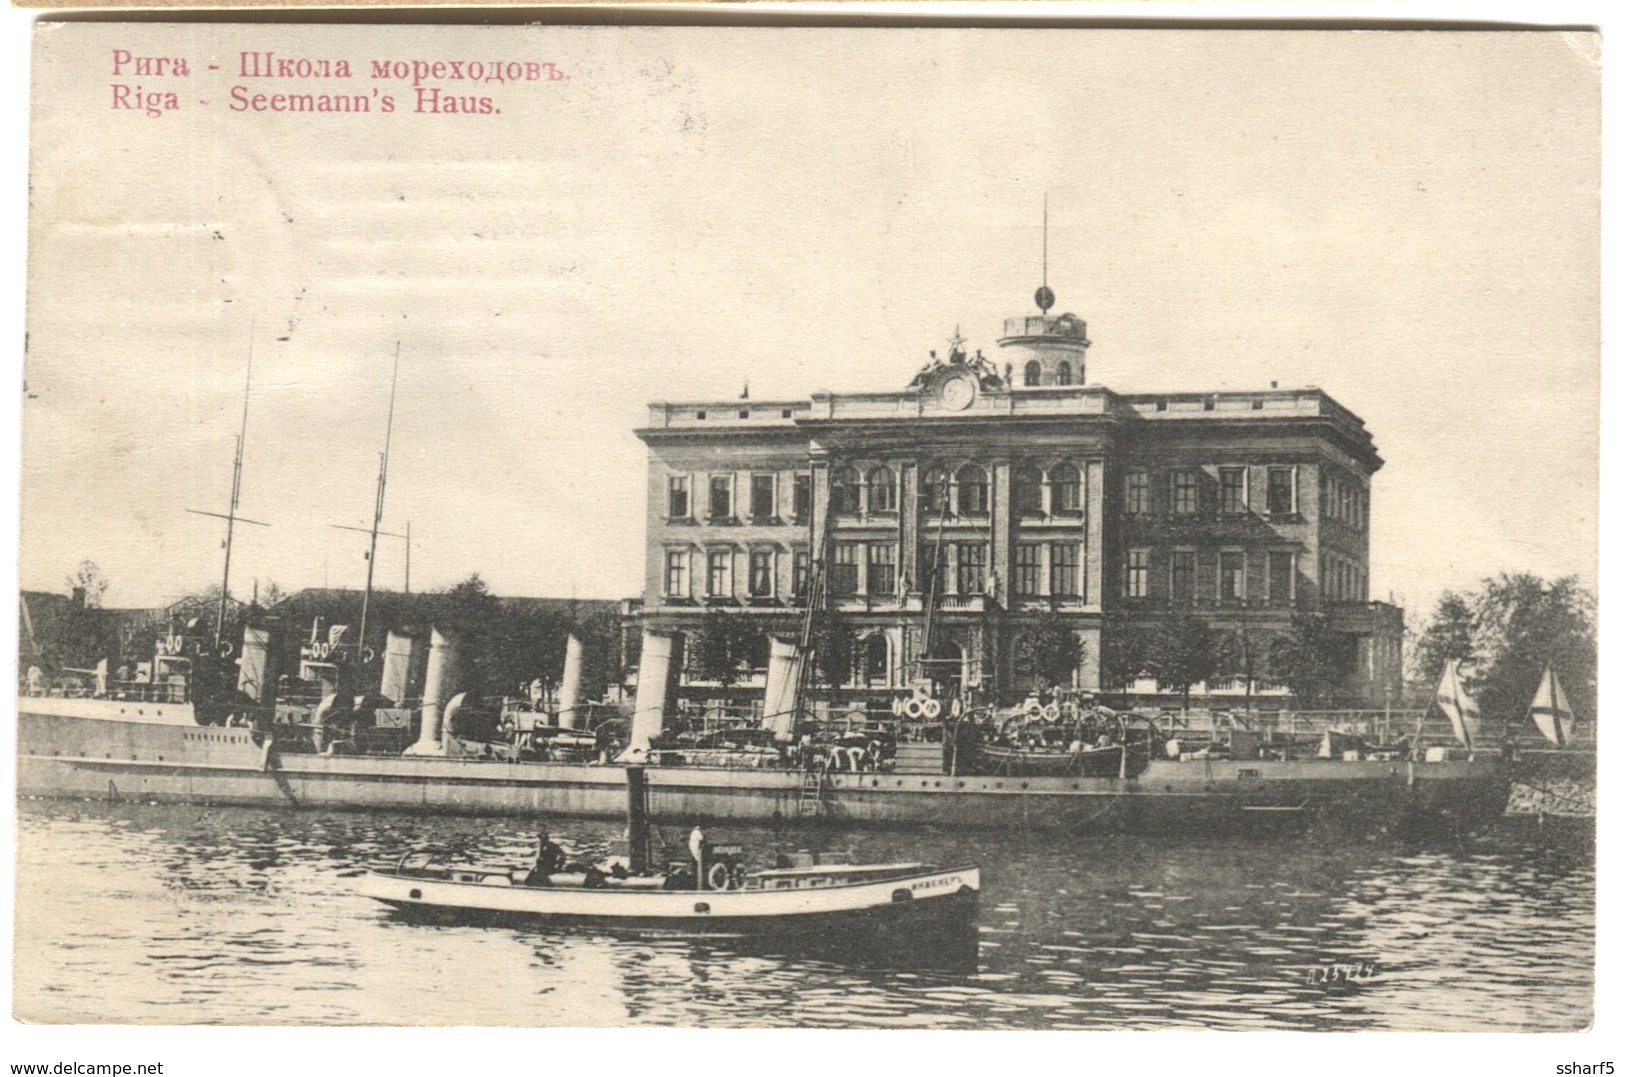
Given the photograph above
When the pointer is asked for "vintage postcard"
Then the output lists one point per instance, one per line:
(809, 527)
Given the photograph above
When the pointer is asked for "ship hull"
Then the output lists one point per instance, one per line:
(62, 756)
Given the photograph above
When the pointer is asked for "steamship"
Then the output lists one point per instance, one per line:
(180, 730)
(162, 738)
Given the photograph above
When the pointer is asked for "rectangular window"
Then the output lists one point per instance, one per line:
(1182, 576)
(676, 573)
(882, 569)
(972, 567)
(1136, 493)
(761, 497)
(843, 574)
(1065, 488)
(801, 495)
(761, 574)
(1283, 491)
(722, 500)
(1183, 491)
(677, 497)
(933, 560)
(1063, 569)
(1280, 577)
(1029, 568)
(1232, 576)
(1137, 574)
(800, 574)
(1232, 490)
(719, 573)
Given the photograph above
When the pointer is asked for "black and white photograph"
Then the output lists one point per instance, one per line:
(818, 527)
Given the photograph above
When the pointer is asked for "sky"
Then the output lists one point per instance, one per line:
(1408, 221)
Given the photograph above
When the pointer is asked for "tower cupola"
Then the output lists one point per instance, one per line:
(1044, 350)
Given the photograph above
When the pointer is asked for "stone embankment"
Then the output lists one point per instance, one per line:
(1554, 796)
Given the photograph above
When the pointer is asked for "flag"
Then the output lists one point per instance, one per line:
(1550, 710)
(335, 635)
(1457, 705)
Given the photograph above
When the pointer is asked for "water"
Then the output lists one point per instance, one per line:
(181, 915)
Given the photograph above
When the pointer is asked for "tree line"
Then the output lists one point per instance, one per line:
(1179, 651)
(1506, 632)
(503, 645)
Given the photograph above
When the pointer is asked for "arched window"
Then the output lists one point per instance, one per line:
(882, 490)
(1063, 373)
(1031, 372)
(844, 491)
(1029, 490)
(934, 490)
(877, 660)
(1064, 492)
(972, 490)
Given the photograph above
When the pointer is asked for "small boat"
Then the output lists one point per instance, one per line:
(711, 895)
(816, 898)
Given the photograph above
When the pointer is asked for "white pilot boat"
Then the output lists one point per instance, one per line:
(708, 895)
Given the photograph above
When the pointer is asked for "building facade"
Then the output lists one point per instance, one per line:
(946, 521)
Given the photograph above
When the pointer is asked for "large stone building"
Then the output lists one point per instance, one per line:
(1038, 495)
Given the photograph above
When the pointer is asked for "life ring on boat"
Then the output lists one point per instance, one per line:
(1052, 711)
(720, 876)
(931, 708)
(225, 648)
(915, 707)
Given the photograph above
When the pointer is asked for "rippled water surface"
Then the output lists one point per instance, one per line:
(176, 915)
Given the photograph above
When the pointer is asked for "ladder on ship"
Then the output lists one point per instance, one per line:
(812, 793)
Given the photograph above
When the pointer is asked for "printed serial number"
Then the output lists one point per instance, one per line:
(1339, 973)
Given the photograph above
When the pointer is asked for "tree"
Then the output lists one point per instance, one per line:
(1506, 633)
(88, 579)
(601, 659)
(1447, 636)
(271, 594)
(722, 647)
(1184, 651)
(1312, 659)
(468, 611)
(1521, 624)
(834, 647)
(1242, 655)
(1125, 652)
(1049, 652)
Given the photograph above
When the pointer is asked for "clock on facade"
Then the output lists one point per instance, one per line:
(958, 393)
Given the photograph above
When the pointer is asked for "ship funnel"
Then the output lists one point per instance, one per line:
(400, 656)
(780, 702)
(437, 687)
(570, 689)
(254, 678)
(656, 678)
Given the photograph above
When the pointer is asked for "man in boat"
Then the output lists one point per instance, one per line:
(549, 859)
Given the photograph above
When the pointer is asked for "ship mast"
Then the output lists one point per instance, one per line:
(378, 503)
(230, 516)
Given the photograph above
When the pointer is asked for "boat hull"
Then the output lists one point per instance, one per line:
(938, 898)
(62, 756)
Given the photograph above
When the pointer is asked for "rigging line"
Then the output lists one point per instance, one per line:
(378, 503)
(236, 493)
